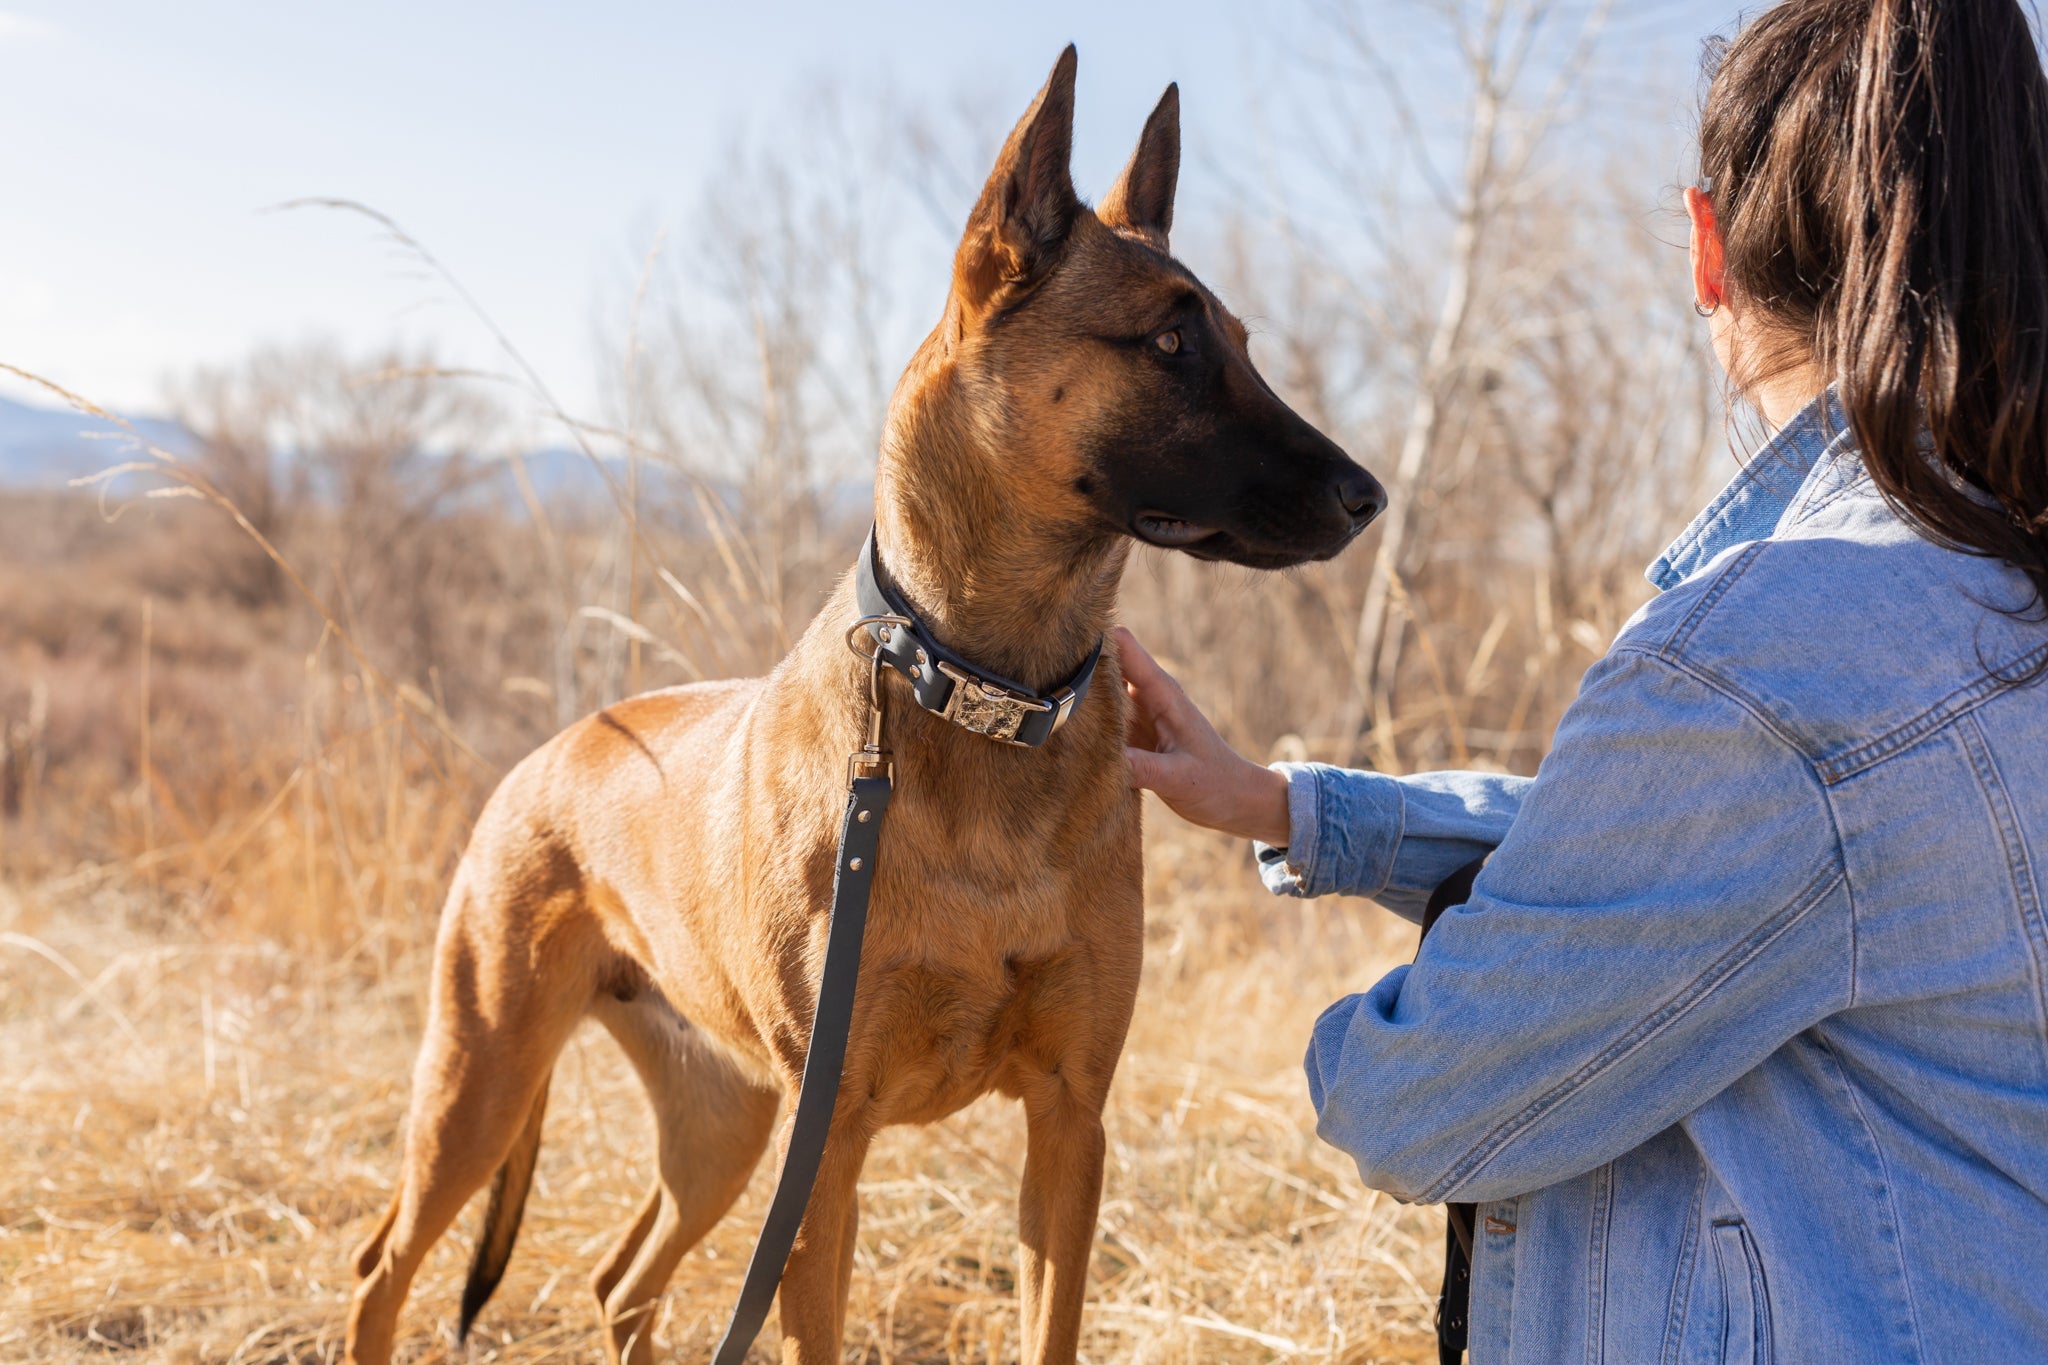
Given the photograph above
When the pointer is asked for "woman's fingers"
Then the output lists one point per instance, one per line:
(1152, 690)
(1135, 657)
(1148, 769)
(1141, 731)
(1174, 751)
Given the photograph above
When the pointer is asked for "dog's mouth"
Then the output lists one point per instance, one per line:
(1169, 533)
(1223, 547)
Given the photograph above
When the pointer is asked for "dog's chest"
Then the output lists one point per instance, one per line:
(987, 951)
(932, 1037)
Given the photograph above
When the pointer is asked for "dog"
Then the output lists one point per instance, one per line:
(666, 865)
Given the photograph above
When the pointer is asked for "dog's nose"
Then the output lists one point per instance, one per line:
(1362, 496)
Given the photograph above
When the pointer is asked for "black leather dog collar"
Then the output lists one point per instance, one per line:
(972, 698)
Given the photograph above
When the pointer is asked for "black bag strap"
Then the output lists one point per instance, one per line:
(853, 877)
(1454, 1301)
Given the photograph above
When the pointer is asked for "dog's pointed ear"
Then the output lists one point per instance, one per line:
(1142, 198)
(1028, 206)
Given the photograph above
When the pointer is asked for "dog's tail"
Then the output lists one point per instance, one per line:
(501, 1218)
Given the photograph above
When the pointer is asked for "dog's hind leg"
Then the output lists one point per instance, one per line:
(712, 1123)
(619, 1259)
(513, 971)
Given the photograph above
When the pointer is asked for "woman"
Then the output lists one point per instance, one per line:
(1741, 1043)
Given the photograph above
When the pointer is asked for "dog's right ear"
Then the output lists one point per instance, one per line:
(1029, 205)
(1142, 198)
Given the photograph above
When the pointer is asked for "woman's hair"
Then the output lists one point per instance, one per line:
(1879, 170)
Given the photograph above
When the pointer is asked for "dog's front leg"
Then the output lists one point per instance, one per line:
(1056, 1214)
(820, 1269)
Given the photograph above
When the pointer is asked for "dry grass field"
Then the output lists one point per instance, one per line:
(197, 1132)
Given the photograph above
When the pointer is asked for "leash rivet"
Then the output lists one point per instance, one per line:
(854, 865)
(923, 658)
(862, 817)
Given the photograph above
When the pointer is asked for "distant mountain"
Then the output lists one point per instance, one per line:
(558, 473)
(48, 447)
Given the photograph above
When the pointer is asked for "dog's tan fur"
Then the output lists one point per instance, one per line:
(665, 866)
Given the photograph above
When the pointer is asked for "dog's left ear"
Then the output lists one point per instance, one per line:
(1028, 206)
(1141, 201)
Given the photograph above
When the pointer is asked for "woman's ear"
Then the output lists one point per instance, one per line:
(1709, 277)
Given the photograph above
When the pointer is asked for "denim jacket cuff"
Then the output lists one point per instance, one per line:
(1286, 871)
(1344, 828)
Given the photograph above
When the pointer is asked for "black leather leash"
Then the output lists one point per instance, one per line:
(973, 698)
(1454, 1300)
(867, 799)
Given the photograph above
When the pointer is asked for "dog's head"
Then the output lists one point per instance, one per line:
(1117, 377)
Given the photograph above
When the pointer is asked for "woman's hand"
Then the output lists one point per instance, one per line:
(1176, 752)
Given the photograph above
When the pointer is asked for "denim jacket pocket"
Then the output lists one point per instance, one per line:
(1745, 1297)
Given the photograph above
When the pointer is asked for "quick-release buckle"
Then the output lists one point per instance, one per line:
(988, 709)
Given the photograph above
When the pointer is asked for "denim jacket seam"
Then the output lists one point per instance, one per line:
(1714, 592)
(1728, 688)
(1599, 1240)
(1681, 1284)
(1949, 709)
(1400, 835)
(2012, 842)
(1802, 514)
(1716, 974)
(1848, 889)
(1812, 498)
(1884, 1172)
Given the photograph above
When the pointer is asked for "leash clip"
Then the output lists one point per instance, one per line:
(871, 759)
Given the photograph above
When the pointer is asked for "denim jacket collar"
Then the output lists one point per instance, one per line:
(1784, 475)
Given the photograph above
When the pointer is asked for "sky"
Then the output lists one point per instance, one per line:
(534, 148)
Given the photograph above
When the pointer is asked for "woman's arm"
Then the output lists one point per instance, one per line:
(1669, 908)
(1391, 838)
(1318, 829)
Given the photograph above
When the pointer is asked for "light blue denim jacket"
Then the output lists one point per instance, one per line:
(1741, 1044)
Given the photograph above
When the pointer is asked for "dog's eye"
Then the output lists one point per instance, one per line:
(1168, 341)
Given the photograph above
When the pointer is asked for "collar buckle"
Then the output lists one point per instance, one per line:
(988, 709)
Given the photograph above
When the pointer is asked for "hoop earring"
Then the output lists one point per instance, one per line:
(1706, 312)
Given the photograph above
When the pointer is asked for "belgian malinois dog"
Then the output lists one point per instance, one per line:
(666, 865)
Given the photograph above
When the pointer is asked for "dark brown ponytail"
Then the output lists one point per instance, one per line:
(1879, 169)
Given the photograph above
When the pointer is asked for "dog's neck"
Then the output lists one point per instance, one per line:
(996, 576)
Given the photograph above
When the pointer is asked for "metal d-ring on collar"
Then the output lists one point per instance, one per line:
(971, 697)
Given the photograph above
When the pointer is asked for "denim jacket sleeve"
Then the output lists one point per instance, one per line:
(1390, 838)
(1667, 909)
